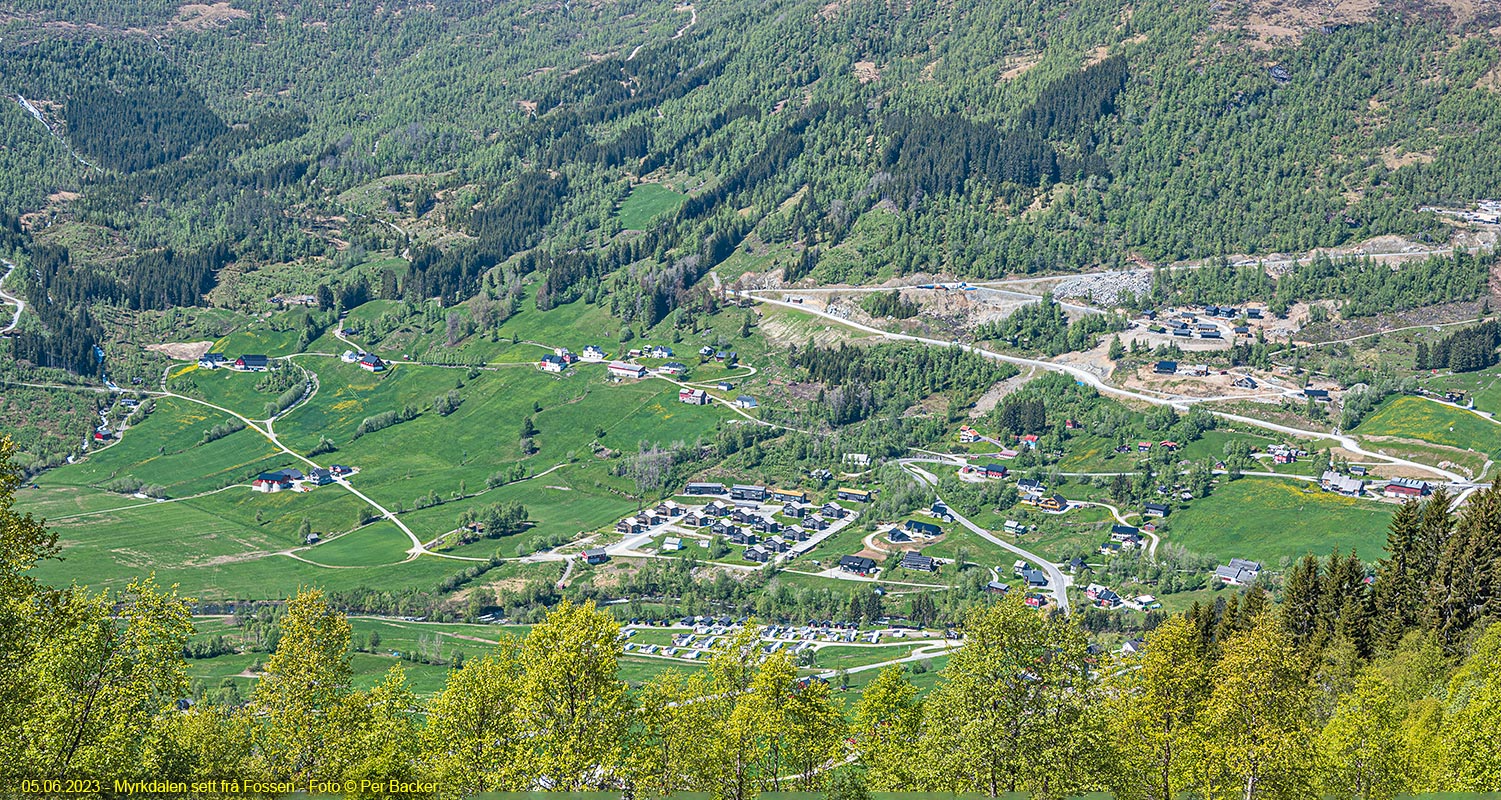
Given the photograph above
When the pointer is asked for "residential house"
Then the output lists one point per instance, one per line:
(318, 476)
(693, 520)
(746, 401)
(1239, 572)
(673, 368)
(1356, 469)
(252, 363)
(856, 495)
(1166, 368)
(103, 435)
(1156, 510)
(213, 360)
(1132, 647)
(1320, 395)
(925, 529)
(716, 508)
(789, 495)
(833, 510)
(1015, 528)
(817, 522)
(917, 561)
(704, 488)
(693, 397)
(859, 565)
(622, 369)
(372, 363)
(593, 352)
(1077, 565)
(1253, 313)
(968, 435)
(995, 471)
(724, 386)
(756, 553)
(1055, 502)
(1245, 382)
(1029, 487)
(629, 526)
(596, 555)
(898, 536)
(776, 544)
(941, 511)
(340, 470)
(795, 511)
(659, 351)
(1029, 441)
(552, 363)
(997, 587)
(1034, 577)
(1125, 533)
(672, 544)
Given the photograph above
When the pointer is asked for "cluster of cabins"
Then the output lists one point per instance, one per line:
(742, 521)
(296, 480)
(1033, 493)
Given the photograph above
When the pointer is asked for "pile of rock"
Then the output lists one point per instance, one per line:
(1106, 288)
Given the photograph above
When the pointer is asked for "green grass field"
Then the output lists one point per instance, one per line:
(645, 203)
(167, 450)
(1408, 417)
(371, 546)
(1273, 520)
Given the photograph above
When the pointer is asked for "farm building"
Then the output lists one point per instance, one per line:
(255, 363)
(271, 482)
(593, 352)
(552, 363)
(372, 363)
(211, 360)
(1156, 510)
(746, 401)
(1403, 488)
(1332, 481)
(596, 555)
(693, 397)
(995, 471)
(622, 369)
(1239, 572)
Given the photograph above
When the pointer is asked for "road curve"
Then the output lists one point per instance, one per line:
(10, 298)
(1057, 583)
(1100, 386)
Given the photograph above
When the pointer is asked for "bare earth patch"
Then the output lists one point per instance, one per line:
(866, 71)
(201, 16)
(181, 351)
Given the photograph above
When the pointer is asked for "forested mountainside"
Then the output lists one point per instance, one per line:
(980, 139)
